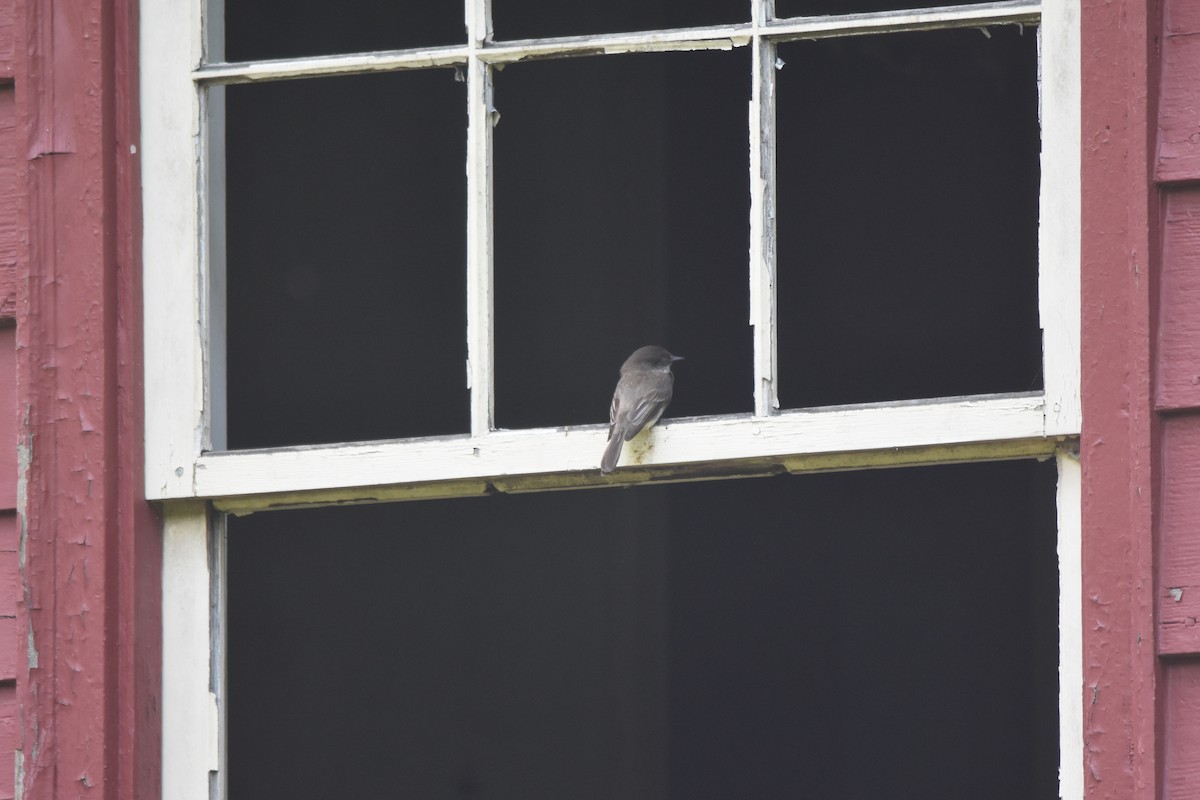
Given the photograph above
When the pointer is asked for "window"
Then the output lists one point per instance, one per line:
(386, 204)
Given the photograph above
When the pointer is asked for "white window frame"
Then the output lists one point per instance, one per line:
(183, 270)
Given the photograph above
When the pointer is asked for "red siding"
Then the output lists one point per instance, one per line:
(8, 10)
(1177, 379)
(1181, 709)
(1179, 554)
(1178, 134)
(1177, 398)
(8, 422)
(1121, 668)
(10, 239)
(10, 242)
(88, 616)
(8, 735)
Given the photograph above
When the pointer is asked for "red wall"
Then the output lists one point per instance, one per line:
(9, 245)
(68, 273)
(87, 612)
(1177, 399)
(1141, 393)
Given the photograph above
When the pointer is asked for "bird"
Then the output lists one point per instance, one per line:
(641, 396)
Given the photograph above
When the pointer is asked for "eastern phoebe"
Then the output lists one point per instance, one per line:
(641, 397)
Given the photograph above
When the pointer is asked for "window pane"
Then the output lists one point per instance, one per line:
(749, 639)
(527, 19)
(257, 29)
(908, 216)
(346, 259)
(621, 220)
(809, 8)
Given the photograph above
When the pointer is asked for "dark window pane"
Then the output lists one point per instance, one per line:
(346, 259)
(748, 639)
(908, 216)
(621, 208)
(258, 29)
(809, 8)
(527, 19)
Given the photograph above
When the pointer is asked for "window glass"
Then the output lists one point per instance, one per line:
(811, 8)
(346, 259)
(621, 205)
(261, 29)
(908, 216)
(527, 19)
(755, 638)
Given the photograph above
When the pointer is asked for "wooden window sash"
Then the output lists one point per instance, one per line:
(184, 362)
(182, 274)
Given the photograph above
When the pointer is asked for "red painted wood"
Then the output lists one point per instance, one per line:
(1177, 373)
(1179, 546)
(1181, 734)
(8, 418)
(7, 17)
(1177, 387)
(10, 239)
(88, 682)
(1179, 99)
(1120, 666)
(10, 589)
(8, 738)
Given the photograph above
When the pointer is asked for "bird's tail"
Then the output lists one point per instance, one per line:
(612, 452)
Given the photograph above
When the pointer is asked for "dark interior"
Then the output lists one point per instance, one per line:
(907, 213)
(889, 633)
(908, 229)
(878, 634)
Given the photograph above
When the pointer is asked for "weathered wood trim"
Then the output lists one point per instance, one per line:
(1119, 222)
(674, 448)
(1070, 625)
(481, 121)
(1058, 230)
(763, 258)
(720, 37)
(175, 281)
(191, 724)
(88, 677)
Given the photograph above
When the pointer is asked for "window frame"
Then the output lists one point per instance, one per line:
(183, 277)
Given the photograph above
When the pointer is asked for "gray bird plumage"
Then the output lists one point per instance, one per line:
(641, 396)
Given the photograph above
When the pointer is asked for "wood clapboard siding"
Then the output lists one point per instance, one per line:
(1179, 561)
(1119, 222)
(10, 243)
(88, 654)
(1179, 93)
(8, 15)
(1181, 709)
(1177, 399)
(1177, 345)
(1177, 373)
(10, 239)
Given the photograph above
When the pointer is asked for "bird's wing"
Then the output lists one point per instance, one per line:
(647, 412)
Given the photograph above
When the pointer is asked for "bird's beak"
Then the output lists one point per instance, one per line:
(676, 358)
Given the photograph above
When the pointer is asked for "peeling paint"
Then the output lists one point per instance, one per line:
(31, 652)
